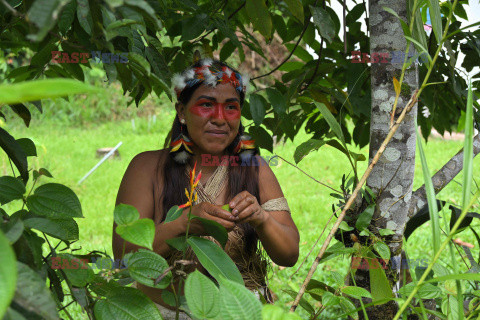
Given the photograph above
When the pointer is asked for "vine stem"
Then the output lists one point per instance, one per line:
(352, 198)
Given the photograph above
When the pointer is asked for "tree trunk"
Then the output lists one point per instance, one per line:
(392, 178)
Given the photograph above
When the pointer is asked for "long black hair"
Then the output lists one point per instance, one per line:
(240, 178)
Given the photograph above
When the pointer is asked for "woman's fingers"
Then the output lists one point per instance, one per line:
(244, 203)
(219, 213)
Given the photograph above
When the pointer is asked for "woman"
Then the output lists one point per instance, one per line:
(208, 127)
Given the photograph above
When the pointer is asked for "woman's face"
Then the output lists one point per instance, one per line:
(212, 117)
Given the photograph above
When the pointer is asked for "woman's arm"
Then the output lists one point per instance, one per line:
(136, 189)
(276, 229)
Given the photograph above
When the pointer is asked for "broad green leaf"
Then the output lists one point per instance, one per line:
(173, 214)
(382, 249)
(37, 298)
(296, 8)
(278, 101)
(405, 27)
(115, 28)
(345, 227)
(355, 13)
(202, 296)
(13, 150)
(329, 299)
(323, 22)
(258, 12)
(177, 243)
(334, 125)
(237, 302)
(379, 285)
(8, 273)
(146, 10)
(386, 232)
(420, 47)
(436, 19)
(432, 203)
(28, 147)
(84, 16)
(356, 292)
(214, 229)
(22, 112)
(303, 302)
(214, 259)
(56, 201)
(11, 189)
(468, 150)
(262, 138)
(257, 108)
(64, 229)
(42, 89)
(194, 26)
(306, 147)
(426, 291)
(13, 229)
(140, 232)
(43, 13)
(126, 303)
(146, 266)
(125, 214)
(348, 307)
(77, 271)
(365, 217)
(139, 63)
(66, 17)
(274, 312)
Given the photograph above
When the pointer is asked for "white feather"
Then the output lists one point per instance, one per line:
(210, 79)
(189, 74)
(228, 72)
(178, 81)
(246, 81)
(206, 62)
(181, 157)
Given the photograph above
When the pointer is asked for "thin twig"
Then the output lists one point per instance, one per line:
(352, 198)
(323, 184)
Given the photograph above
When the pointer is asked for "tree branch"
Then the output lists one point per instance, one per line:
(441, 178)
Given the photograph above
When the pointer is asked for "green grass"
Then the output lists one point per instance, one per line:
(68, 149)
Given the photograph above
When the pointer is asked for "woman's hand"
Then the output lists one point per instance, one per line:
(246, 208)
(211, 212)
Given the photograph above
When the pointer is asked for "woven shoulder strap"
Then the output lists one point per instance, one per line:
(278, 204)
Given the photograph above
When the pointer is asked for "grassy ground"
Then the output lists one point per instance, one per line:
(68, 150)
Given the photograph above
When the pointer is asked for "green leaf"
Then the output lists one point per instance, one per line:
(28, 147)
(334, 125)
(43, 13)
(306, 147)
(202, 296)
(127, 304)
(84, 16)
(139, 63)
(257, 108)
(14, 151)
(260, 17)
(356, 292)
(56, 201)
(323, 22)
(66, 17)
(355, 14)
(112, 29)
(379, 285)
(177, 243)
(12, 189)
(77, 271)
(214, 229)
(146, 10)
(125, 214)
(262, 138)
(468, 150)
(37, 298)
(42, 89)
(345, 227)
(140, 232)
(64, 229)
(461, 276)
(296, 8)
(274, 312)
(22, 112)
(278, 101)
(146, 266)
(8, 273)
(194, 26)
(436, 18)
(432, 203)
(386, 232)
(365, 217)
(41, 172)
(405, 27)
(426, 291)
(173, 214)
(237, 302)
(227, 208)
(382, 249)
(13, 229)
(214, 259)
(303, 302)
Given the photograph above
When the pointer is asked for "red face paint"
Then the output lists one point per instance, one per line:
(206, 108)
